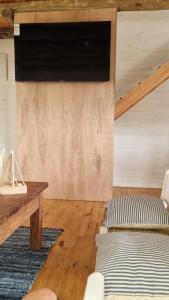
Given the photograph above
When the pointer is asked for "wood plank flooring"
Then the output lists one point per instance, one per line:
(117, 191)
(72, 259)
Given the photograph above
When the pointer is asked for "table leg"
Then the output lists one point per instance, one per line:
(36, 229)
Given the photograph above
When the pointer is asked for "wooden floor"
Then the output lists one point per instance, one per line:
(72, 259)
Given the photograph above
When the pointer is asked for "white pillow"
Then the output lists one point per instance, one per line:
(134, 263)
(137, 211)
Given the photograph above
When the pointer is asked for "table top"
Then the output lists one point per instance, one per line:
(10, 204)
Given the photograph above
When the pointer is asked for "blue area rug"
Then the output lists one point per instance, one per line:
(19, 265)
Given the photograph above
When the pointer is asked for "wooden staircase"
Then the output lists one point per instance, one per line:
(141, 90)
(6, 23)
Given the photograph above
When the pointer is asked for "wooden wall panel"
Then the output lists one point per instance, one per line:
(65, 130)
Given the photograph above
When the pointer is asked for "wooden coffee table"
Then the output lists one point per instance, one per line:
(16, 209)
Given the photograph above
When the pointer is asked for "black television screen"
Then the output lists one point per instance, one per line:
(78, 51)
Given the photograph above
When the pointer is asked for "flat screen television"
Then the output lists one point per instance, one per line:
(78, 51)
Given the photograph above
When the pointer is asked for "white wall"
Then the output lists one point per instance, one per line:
(7, 98)
(142, 134)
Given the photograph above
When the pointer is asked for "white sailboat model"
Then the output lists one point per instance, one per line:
(9, 183)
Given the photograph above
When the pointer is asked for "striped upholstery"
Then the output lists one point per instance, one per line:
(134, 263)
(139, 211)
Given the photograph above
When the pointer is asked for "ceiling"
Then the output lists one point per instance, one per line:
(8, 7)
(122, 5)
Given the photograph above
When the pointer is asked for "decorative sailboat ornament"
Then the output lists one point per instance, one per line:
(9, 183)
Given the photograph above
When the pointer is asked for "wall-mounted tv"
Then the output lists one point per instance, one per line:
(78, 51)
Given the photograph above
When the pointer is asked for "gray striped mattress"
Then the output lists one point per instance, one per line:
(134, 263)
(140, 211)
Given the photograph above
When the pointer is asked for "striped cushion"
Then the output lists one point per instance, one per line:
(134, 263)
(135, 297)
(136, 211)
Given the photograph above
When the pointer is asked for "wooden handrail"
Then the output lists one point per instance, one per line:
(4, 23)
(6, 19)
(142, 90)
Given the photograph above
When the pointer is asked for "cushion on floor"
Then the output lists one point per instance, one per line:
(134, 263)
(137, 211)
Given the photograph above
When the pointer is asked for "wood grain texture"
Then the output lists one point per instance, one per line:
(17, 219)
(142, 90)
(36, 228)
(121, 5)
(6, 18)
(4, 23)
(73, 257)
(11, 204)
(15, 209)
(120, 191)
(65, 130)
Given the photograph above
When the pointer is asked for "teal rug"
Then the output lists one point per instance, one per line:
(19, 265)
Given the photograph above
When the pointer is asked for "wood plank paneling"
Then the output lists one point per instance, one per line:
(73, 257)
(65, 130)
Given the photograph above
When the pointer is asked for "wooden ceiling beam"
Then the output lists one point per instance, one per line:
(142, 90)
(122, 5)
